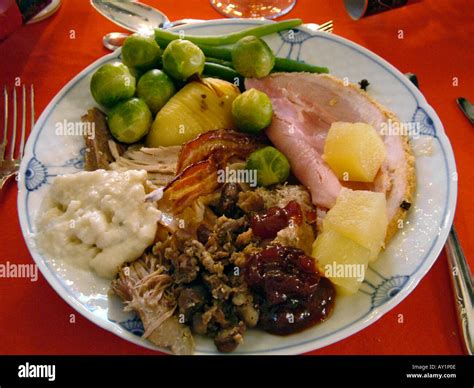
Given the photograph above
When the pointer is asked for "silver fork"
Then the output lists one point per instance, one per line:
(10, 162)
(325, 27)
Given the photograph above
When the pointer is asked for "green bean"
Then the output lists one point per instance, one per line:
(224, 53)
(225, 73)
(281, 64)
(290, 65)
(219, 62)
(223, 56)
(222, 40)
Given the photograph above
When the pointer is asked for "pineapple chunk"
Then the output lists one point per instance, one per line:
(360, 216)
(341, 260)
(354, 151)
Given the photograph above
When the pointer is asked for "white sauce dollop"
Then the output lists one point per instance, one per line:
(97, 219)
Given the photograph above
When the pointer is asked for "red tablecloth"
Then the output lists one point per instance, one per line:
(437, 46)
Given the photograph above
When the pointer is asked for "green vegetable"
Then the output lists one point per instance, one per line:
(155, 88)
(140, 51)
(225, 73)
(224, 53)
(289, 65)
(252, 57)
(271, 165)
(252, 111)
(130, 120)
(216, 53)
(221, 40)
(182, 59)
(219, 62)
(135, 72)
(112, 83)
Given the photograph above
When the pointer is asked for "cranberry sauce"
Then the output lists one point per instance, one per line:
(289, 289)
(268, 224)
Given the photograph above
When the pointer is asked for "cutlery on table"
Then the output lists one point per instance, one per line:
(135, 17)
(461, 275)
(139, 17)
(10, 162)
(459, 268)
(114, 40)
(466, 107)
(463, 288)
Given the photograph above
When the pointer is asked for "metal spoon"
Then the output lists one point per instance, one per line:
(133, 16)
(114, 40)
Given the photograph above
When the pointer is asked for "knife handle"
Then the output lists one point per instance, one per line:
(462, 285)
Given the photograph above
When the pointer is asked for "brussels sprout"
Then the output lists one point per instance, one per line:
(155, 88)
(252, 58)
(271, 165)
(130, 120)
(140, 51)
(112, 83)
(182, 59)
(252, 111)
(137, 73)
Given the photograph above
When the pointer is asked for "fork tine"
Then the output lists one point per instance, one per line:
(23, 124)
(329, 22)
(3, 145)
(327, 27)
(13, 142)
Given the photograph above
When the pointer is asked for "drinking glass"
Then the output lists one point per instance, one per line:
(268, 9)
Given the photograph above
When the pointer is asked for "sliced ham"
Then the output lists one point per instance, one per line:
(305, 105)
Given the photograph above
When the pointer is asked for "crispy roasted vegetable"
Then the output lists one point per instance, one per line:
(197, 108)
(220, 144)
(195, 180)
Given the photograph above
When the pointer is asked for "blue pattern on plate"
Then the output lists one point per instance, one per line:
(37, 174)
(295, 39)
(425, 121)
(387, 289)
(134, 326)
(78, 161)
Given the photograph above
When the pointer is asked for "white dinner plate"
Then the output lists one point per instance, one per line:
(389, 280)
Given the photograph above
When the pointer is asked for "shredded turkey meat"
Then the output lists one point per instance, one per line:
(159, 163)
(145, 287)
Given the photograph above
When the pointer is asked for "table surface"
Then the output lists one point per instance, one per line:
(437, 46)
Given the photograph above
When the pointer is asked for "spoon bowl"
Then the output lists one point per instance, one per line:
(133, 16)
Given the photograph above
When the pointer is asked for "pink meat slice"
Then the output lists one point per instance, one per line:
(305, 105)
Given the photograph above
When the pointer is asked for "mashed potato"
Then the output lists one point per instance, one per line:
(97, 220)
